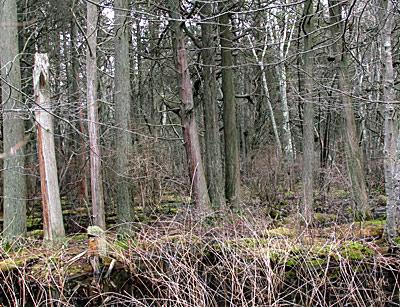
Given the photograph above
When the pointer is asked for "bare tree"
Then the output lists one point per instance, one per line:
(14, 181)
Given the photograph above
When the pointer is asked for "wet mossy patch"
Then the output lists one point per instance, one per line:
(354, 250)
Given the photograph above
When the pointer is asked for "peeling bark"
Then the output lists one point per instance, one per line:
(53, 225)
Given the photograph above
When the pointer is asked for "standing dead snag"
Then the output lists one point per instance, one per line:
(52, 215)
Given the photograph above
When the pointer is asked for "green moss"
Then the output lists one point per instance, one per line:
(381, 222)
(125, 242)
(252, 242)
(317, 262)
(355, 250)
(32, 222)
(291, 262)
(289, 194)
(79, 237)
(281, 232)
(8, 265)
(38, 233)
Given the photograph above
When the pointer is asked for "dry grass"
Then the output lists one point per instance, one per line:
(184, 263)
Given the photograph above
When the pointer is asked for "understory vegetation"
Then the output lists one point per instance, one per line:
(222, 260)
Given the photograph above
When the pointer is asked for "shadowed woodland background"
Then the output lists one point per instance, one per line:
(277, 108)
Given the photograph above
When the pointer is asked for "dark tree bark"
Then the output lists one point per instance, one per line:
(122, 101)
(232, 165)
(83, 192)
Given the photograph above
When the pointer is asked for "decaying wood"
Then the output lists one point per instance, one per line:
(52, 215)
(97, 248)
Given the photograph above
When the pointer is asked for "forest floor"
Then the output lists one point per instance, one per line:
(230, 259)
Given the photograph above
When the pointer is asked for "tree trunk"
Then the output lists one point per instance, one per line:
(122, 101)
(391, 161)
(232, 166)
(83, 193)
(215, 180)
(14, 181)
(353, 151)
(53, 225)
(284, 43)
(308, 117)
(188, 118)
(93, 118)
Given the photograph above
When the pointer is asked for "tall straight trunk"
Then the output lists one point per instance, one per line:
(14, 181)
(93, 117)
(308, 116)
(83, 193)
(283, 47)
(52, 214)
(353, 150)
(215, 180)
(286, 130)
(391, 161)
(122, 101)
(232, 166)
(187, 114)
(279, 37)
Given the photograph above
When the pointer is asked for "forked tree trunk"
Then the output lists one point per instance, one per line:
(122, 101)
(308, 118)
(93, 117)
(14, 182)
(188, 118)
(215, 179)
(232, 166)
(279, 36)
(53, 225)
